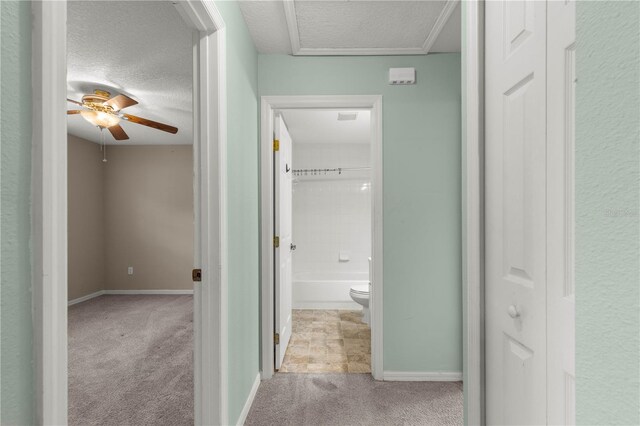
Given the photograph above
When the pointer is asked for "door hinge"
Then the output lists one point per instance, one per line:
(276, 145)
(196, 274)
(276, 242)
(276, 338)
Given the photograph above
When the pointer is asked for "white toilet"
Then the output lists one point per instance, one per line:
(360, 294)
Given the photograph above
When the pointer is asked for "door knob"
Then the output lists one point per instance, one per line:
(292, 246)
(513, 311)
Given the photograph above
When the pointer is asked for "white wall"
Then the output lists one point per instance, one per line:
(331, 214)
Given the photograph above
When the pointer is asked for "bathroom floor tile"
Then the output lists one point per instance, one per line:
(328, 341)
(358, 367)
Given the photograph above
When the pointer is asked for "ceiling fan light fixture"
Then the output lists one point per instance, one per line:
(100, 119)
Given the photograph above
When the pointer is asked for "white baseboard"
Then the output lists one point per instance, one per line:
(422, 376)
(148, 292)
(125, 292)
(351, 306)
(247, 405)
(85, 298)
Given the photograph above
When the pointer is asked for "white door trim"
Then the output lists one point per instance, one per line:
(267, 107)
(49, 210)
(473, 212)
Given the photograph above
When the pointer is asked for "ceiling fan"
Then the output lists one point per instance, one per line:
(104, 111)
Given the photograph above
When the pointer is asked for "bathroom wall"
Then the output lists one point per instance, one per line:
(421, 193)
(331, 216)
(331, 213)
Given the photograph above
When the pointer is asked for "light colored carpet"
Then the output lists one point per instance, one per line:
(354, 399)
(131, 361)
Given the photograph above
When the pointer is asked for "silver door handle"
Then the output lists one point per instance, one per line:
(292, 246)
(513, 311)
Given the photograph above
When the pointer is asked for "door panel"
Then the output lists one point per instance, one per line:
(283, 226)
(561, 82)
(515, 217)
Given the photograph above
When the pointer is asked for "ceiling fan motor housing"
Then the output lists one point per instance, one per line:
(97, 99)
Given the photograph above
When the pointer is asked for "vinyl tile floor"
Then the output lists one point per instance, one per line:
(328, 341)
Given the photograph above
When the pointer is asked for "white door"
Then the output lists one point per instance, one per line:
(283, 225)
(515, 298)
(561, 81)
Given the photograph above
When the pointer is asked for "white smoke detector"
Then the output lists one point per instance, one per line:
(402, 76)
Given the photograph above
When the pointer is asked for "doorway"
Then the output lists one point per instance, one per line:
(323, 219)
(283, 286)
(49, 206)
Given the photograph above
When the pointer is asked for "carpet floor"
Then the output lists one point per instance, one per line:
(354, 399)
(131, 361)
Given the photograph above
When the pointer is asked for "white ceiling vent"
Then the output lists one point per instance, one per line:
(402, 76)
(347, 116)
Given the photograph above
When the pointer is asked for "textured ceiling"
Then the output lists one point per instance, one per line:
(353, 27)
(139, 48)
(322, 126)
(342, 24)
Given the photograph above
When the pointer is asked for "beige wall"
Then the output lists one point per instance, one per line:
(87, 273)
(135, 210)
(149, 217)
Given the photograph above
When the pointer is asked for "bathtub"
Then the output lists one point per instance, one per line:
(326, 290)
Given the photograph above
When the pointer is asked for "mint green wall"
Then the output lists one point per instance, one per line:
(242, 210)
(16, 376)
(463, 199)
(421, 156)
(607, 213)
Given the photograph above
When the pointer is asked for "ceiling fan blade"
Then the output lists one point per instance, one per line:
(150, 123)
(118, 132)
(74, 102)
(120, 102)
(73, 111)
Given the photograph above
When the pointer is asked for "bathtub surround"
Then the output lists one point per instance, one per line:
(328, 341)
(326, 290)
(421, 167)
(331, 224)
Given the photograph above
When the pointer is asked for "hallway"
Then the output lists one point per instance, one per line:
(354, 399)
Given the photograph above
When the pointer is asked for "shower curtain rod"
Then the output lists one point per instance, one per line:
(339, 170)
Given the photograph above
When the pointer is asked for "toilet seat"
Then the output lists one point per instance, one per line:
(362, 289)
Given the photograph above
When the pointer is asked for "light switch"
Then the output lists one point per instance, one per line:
(130, 270)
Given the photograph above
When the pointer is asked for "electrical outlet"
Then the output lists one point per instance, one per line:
(130, 270)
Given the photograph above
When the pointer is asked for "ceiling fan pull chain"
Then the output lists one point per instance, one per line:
(104, 146)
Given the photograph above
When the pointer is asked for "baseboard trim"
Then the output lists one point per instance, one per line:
(422, 376)
(350, 306)
(85, 298)
(131, 292)
(247, 405)
(125, 292)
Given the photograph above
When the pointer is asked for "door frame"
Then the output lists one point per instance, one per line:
(473, 237)
(267, 106)
(49, 210)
